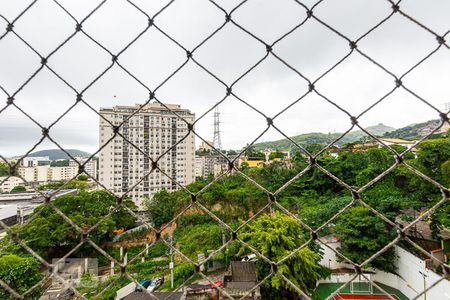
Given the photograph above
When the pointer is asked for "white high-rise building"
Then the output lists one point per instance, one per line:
(154, 130)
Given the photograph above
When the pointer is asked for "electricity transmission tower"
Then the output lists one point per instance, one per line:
(216, 141)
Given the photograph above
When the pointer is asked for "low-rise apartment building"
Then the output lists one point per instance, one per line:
(211, 164)
(7, 185)
(31, 161)
(90, 166)
(46, 173)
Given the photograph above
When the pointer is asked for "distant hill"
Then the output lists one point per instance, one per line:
(324, 138)
(55, 154)
(414, 131)
(376, 130)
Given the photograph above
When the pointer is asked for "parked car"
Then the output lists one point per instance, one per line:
(250, 258)
(216, 284)
(155, 283)
(145, 283)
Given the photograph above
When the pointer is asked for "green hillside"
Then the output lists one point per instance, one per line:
(413, 131)
(55, 154)
(324, 138)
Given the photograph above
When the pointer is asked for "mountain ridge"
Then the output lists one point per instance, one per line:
(55, 154)
(324, 138)
(410, 132)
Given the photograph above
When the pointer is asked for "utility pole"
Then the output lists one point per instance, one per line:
(171, 261)
(424, 284)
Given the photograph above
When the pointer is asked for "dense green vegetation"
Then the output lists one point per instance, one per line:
(4, 169)
(276, 236)
(20, 273)
(72, 184)
(313, 197)
(362, 234)
(60, 163)
(162, 211)
(49, 235)
(18, 189)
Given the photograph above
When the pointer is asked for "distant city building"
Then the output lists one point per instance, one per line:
(401, 142)
(90, 167)
(154, 130)
(211, 164)
(30, 161)
(34, 174)
(199, 166)
(267, 153)
(7, 185)
(204, 147)
(445, 128)
(253, 163)
(62, 173)
(46, 173)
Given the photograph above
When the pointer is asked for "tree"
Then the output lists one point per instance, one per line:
(362, 234)
(276, 154)
(317, 215)
(4, 169)
(231, 152)
(72, 184)
(163, 206)
(20, 273)
(275, 237)
(314, 148)
(432, 155)
(445, 170)
(252, 153)
(18, 189)
(82, 177)
(50, 235)
(60, 163)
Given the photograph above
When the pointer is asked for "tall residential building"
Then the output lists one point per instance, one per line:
(154, 130)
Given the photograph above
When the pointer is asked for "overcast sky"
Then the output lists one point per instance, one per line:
(355, 84)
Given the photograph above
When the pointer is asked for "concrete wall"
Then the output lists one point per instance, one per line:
(7, 211)
(330, 259)
(408, 280)
(337, 278)
(125, 291)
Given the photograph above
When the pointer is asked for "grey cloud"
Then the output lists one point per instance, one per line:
(312, 49)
